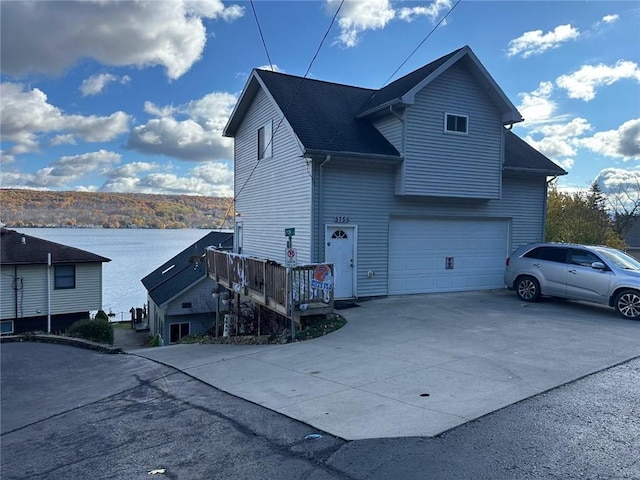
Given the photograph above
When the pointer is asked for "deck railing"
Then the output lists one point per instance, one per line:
(308, 289)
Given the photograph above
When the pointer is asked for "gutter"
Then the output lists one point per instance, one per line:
(314, 152)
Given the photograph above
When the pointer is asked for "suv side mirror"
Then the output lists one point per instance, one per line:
(598, 265)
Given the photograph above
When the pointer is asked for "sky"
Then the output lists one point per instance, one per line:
(133, 96)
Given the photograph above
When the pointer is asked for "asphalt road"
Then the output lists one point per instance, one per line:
(68, 413)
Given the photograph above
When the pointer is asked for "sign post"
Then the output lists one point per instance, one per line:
(290, 261)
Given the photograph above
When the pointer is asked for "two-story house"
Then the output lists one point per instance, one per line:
(417, 187)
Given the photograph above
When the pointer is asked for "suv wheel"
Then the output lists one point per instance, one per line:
(528, 289)
(628, 304)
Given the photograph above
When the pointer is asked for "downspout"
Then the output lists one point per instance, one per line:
(544, 209)
(320, 203)
(15, 288)
(48, 292)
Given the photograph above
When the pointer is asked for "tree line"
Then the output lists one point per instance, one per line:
(35, 208)
(592, 217)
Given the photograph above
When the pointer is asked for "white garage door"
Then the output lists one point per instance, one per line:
(444, 255)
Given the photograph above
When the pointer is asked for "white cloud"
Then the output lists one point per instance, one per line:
(535, 41)
(624, 142)
(95, 84)
(210, 179)
(559, 140)
(553, 147)
(610, 18)
(6, 158)
(432, 11)
(26, 114)
(62, 172)
(575, 128)
(536, 106)
(66, 139)
(197, 137)
(582, 83)
(613, 180)
(356, 17)
(272, 68)
(138, 33)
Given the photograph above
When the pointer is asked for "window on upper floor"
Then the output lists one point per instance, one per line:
(265, 141)
(456, 123)
(64, 276)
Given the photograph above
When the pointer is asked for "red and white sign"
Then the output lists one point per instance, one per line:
(290, 257)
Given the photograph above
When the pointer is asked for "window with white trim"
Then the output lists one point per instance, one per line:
(456, 123)
(6, 327)
(64, 277)
(265, 140)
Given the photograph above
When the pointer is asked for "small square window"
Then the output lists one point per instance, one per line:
(456, 123)
(186, 305)
(64, 277)
(265, 141)
(6, 327)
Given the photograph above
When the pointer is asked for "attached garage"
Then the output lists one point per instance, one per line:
(428, 255)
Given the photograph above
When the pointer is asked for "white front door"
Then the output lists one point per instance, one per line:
(339, 249)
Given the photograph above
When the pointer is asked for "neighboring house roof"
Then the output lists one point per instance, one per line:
(20, 249)
(186, 268)
(519, 156)
(329, 118)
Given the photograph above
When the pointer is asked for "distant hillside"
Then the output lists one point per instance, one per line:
(33, 208)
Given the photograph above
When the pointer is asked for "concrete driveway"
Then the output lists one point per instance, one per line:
(417, 365)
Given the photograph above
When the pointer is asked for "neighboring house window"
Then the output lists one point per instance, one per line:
(177, 331)
(64, 276)
(265, 141)
(186, 305)
(6, 327)
(456, 123)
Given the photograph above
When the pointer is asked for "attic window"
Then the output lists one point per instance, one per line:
(456, 123)
(265, 141)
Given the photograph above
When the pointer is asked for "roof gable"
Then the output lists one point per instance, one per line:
(403, 90)
(20, 249)
(185, 269)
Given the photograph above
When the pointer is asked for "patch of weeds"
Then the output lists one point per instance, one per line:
(319, 325)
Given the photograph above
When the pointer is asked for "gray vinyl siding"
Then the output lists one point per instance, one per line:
(453, 165)
(199, 295)
(277, 195)
(32, 297)
(391, 128)
(371, 206)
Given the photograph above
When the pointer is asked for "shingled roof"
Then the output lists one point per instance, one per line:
(20, 249)
(520, 156)
(186, 268)
(331, 117)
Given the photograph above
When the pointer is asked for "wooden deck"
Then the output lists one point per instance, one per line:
(307, 289)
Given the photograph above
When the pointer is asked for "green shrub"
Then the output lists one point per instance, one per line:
(96, 330)
(101, 315)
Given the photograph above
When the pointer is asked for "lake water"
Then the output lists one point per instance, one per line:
(134, 253)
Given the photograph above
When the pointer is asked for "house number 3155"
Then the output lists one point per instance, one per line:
(341, 219)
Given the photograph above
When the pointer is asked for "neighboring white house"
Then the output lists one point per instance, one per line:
(45, 285)
(417, 187)
(179, 292)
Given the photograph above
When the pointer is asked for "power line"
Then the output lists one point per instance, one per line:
(264, 44)
(421, 43)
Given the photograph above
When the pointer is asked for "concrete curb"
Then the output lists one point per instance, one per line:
(74, 342)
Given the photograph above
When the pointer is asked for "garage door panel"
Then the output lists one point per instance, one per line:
(419, 248)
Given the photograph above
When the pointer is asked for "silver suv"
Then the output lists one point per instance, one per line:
(579, 272)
